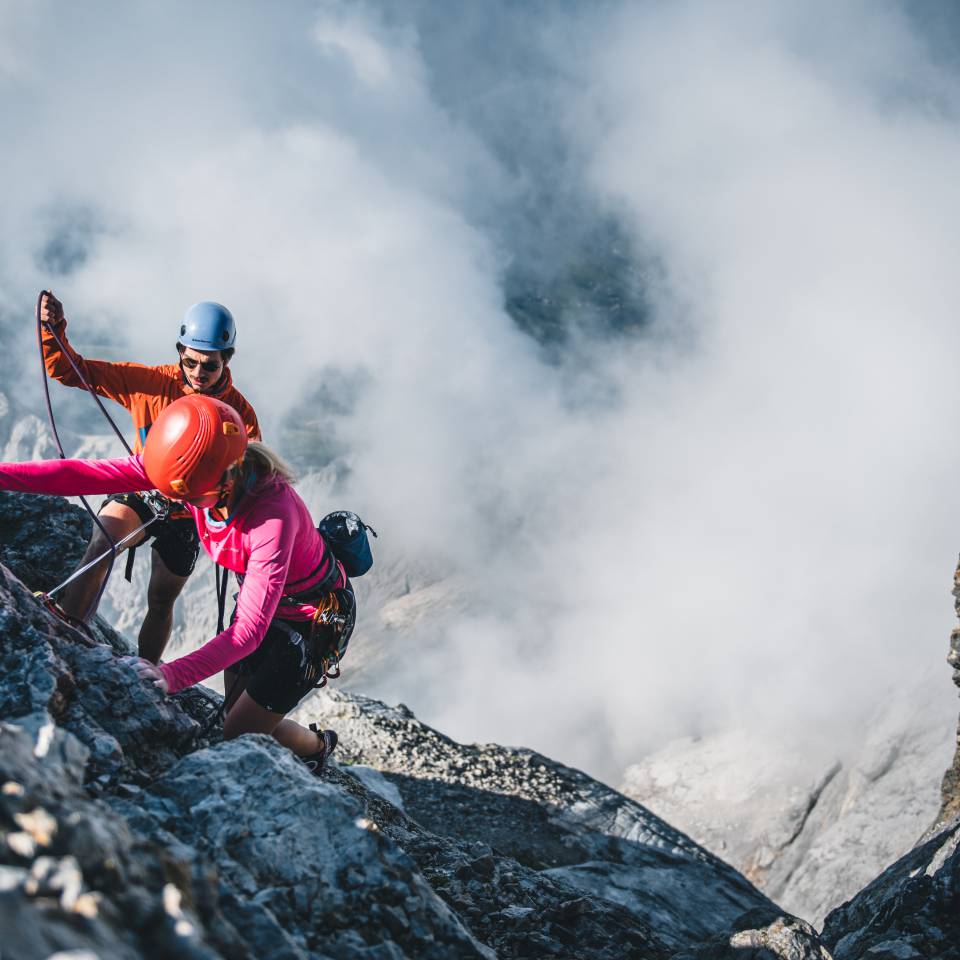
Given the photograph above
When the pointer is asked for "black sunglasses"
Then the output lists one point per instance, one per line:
(211, 366)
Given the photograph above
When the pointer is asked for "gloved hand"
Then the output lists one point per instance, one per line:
(51, 311)
(147, 671)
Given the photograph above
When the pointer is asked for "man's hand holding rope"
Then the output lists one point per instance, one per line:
(51, 310)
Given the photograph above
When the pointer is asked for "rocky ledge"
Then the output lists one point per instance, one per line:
(128, 829)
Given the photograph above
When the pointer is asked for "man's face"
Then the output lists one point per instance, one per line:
(195, 363)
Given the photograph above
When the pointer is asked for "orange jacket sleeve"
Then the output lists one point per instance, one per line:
(239, 403)
(115, 381)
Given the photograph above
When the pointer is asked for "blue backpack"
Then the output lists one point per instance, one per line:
(346, 535)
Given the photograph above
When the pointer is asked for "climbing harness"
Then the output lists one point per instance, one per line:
(321, 647)
(162, 508)
(112, 551)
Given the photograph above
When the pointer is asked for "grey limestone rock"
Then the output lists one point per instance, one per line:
(73, 876)
(300, 859)
(186, 846)
(42, 539)
(911, 910)
(561, 823)
(763, 936)
(809, 837)
(517, 910)
(49, 666)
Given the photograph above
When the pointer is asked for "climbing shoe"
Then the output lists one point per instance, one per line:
(314, 762)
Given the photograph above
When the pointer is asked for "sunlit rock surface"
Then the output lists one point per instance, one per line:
(561, 823)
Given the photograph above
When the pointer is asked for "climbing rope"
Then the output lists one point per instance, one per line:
(112, 551)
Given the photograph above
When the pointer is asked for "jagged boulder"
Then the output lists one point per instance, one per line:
(42, 539)
(50, 667)
(305, 870)
(517, 910)
(74, 876)
(763, 936)
(911, 910)
(565, 826)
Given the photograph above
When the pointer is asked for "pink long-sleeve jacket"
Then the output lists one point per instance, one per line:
(271, 539)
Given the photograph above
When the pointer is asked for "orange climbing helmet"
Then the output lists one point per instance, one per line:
(191, 445)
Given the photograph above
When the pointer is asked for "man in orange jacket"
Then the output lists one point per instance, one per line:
(206, 344)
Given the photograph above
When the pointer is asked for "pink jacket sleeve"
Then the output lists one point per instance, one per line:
(76, 477)
(271, 544)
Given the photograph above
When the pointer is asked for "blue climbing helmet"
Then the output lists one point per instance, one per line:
(208, 326)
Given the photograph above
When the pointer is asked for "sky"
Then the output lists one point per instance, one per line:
(635, 320)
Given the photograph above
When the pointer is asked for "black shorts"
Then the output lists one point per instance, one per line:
(175, 539)
(279, 669)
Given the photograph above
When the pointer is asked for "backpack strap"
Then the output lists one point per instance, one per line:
(316, 590)
(222, 575)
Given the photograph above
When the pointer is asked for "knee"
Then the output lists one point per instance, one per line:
(161, 598)
(235, 725)
(98, 547)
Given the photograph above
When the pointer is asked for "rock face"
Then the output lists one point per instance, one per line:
(911, 910)
(809, 838)
(950, 788)
(543, 820)
(41, 541)
(127, 829)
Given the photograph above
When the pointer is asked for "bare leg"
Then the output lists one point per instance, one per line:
(247, 716)
(118, 520)
(233, 685)
(162, 593)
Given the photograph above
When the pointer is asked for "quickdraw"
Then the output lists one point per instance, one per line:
(330, 613)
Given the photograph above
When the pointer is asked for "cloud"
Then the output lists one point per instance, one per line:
(731, 507)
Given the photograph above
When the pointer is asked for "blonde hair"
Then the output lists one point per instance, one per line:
(261, 463)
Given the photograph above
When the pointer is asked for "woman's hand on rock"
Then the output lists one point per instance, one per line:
(147, 671)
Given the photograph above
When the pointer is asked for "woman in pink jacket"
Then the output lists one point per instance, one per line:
(295, 608)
